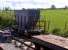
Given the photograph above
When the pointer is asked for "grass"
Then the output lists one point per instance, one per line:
(6, 18)
(57, 18)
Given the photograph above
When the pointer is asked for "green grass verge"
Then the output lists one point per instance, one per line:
(57, 18)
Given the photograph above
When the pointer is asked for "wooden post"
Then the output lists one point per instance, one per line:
(48, 25)
(39, 23)
(44, 26)
(65, 25)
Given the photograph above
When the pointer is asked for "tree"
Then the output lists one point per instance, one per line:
(53, 7)
(6, 8)
(65, 7)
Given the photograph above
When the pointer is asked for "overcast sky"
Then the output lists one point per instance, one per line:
(19, 4)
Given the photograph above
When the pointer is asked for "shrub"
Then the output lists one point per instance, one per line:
(56, 31)
(53, 7)
(65, 34)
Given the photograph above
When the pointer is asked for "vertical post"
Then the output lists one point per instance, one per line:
(65, 25)
(11, 18)
(17, 20)
(33, 22)
(21, 24)
(39, 23)
(21, 21)
(44, 26)
(48, 25)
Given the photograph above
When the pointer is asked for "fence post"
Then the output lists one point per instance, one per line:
(48, 25)
(44, 26)
(39, 23)
(65, 27)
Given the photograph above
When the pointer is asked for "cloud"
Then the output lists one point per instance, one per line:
(18, 4)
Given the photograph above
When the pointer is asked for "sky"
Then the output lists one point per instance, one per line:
(19, 4)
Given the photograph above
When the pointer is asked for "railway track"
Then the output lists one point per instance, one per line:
(8, 46)
(18, 44)
(23, 44)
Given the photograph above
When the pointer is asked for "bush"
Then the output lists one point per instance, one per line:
(65, 34)
(7, 18)
(53, 7)
(56, 31)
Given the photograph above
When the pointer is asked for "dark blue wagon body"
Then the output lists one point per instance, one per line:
(26, 19)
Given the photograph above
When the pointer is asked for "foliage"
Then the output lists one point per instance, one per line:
(65, 7)
(6, 18)
(6, 8)
(53, 7)
(57, 18)
(56, 31)
(65, 34)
